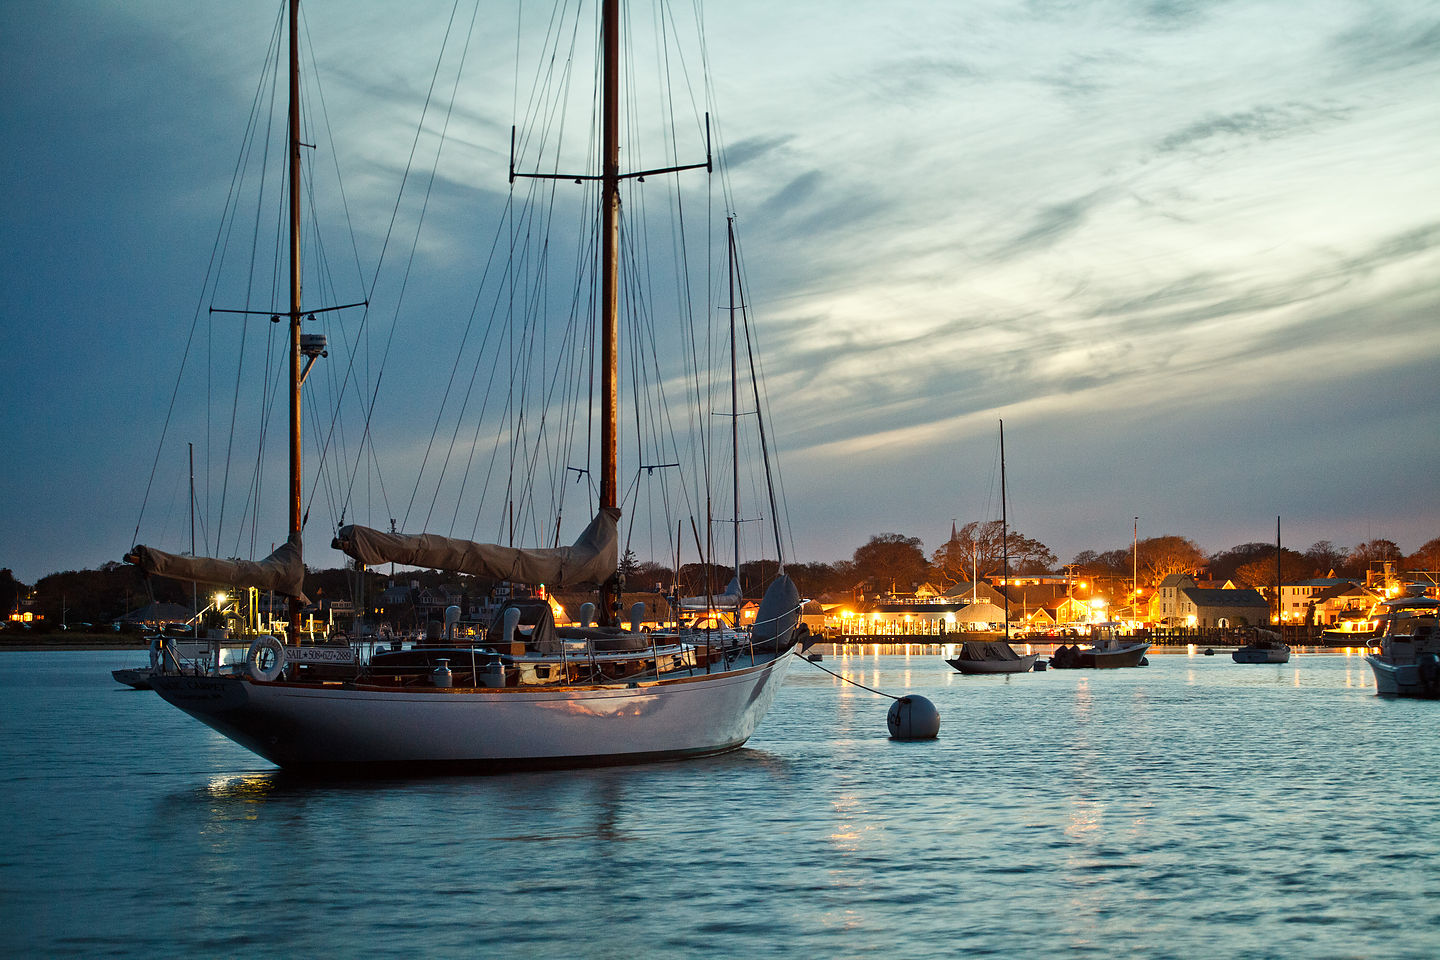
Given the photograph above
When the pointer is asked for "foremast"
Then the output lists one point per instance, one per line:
(293, 159)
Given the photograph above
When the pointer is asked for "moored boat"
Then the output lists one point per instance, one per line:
(995, 655)
(529, 693)
(1408, 664)
(982, 657)
(1266, 646)
(1108, 649)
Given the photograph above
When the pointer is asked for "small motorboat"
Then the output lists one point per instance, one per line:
(1108, 649)
(1265, 647)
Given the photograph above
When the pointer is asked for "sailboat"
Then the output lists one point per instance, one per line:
(527, 693)
(995, 656)
(1267, 646)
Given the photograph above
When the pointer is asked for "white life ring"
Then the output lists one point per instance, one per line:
(265, 648)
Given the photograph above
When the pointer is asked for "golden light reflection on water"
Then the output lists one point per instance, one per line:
(250, 788)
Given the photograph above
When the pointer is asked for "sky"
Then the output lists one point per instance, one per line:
(1188, 252)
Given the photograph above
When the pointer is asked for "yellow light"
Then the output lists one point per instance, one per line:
(220, 598)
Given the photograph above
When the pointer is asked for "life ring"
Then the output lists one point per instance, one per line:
(263, 649)
(155, 647)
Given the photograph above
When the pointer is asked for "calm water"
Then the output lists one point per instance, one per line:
(1195, 808)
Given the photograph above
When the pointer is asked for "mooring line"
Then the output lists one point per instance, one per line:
(847, 679)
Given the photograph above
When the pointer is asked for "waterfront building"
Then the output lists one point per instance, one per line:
(1165, 601)
(1323, 600)
(1199, 607)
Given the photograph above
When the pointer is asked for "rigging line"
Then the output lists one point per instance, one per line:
(389, 230)
(328, 284)
(266, 81)
(470, 387)
(479, 356)
(334, 154)
(762, 402)
(245, 321)
(760, 425)
(210, 270)
(773, 475)
(455, 366)
(268, 400)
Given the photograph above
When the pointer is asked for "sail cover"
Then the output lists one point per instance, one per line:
(591, 560)
(282, 572)
(729, 600)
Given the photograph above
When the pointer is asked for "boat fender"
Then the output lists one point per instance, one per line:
(155, 647)
(256, 657)
(913, 718)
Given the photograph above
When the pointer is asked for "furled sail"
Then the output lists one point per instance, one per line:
(730, 599)
(591, 560)
(283, 571)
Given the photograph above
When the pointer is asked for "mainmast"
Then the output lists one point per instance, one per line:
(610, 282)
(293, 635)
(610, 178)
(1004, 535)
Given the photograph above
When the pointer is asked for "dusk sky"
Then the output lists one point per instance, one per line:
(1190, 252)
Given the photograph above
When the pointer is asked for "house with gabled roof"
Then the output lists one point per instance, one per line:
(1200, 607)
(981, 591)
(1302, 602)
(1165, 601)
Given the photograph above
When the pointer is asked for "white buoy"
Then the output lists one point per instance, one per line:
(913, 718)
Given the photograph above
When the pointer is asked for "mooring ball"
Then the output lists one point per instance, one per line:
(913, 718)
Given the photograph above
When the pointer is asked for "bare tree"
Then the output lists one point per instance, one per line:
(1324, 557)
(1158, 557)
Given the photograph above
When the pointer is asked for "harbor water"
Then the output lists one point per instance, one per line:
(1192, 808)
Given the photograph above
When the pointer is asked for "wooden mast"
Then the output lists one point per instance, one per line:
(1004, 535)
(293, 634)
(610, 282)
(734, 410)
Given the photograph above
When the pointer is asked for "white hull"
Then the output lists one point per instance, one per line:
(1401, 679)
(1023, 665)
(368, 729)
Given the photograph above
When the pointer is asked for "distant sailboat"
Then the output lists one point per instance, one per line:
(996, 656)
(1267, 646)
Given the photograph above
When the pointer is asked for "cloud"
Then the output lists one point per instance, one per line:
(1216, 133)
(1050, 225)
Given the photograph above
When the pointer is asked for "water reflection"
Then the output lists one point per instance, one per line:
(1137, 813)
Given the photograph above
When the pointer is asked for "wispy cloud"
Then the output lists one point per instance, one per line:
(1257, 124)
